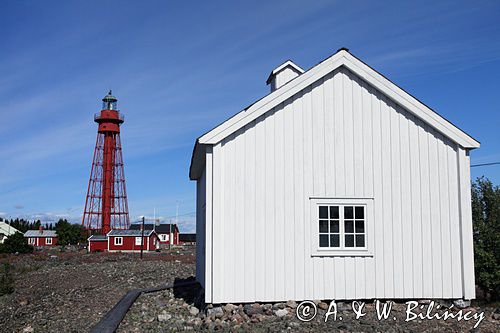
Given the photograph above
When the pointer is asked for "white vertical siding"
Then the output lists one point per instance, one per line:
(200, 229)
(469, 290)
(339, 138)
(209, 225)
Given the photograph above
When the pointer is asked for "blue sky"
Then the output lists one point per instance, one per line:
(179, 68)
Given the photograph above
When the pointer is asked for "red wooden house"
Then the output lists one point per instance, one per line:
(124, 241)
(165, 231)
(41, 237)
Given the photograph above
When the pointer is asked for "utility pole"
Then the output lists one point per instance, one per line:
(142, 237)
(176, 215)
(170, 235)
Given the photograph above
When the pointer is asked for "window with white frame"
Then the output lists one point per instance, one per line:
(138, 241)
(340, 226)
(163, 237)
(48, 241)
(31, 240)
(118, 241)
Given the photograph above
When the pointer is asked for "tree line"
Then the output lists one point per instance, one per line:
(24, 225)
(486, 224)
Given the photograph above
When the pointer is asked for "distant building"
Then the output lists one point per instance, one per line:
(5, 231)
(167, 233)
(97, 243)
(124, 241)
(187, 239)
(41, 237)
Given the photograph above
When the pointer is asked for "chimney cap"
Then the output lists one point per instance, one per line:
(284, 65)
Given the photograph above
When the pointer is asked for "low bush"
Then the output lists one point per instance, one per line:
(6, 280)
(16, 243)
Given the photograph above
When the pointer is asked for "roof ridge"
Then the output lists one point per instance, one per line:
(341, 58)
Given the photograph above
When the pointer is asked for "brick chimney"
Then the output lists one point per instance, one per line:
(40, 230)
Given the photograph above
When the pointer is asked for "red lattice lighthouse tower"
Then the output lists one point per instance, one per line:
(106, 205)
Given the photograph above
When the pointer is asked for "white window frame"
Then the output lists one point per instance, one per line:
(163, 237)
(115, 241)
(31, 241)
(138, 241)
(317, 251)
(48, 241)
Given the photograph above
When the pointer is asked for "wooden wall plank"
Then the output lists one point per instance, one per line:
(270, 234)
(469, 288)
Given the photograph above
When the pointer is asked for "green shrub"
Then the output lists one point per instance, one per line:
(486, 223)
(68, 233)
(6, 280)
(16, 243)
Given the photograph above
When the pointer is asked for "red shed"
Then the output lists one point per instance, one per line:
(41, 237)
(98, 243)
(131, 240)
(165, 231)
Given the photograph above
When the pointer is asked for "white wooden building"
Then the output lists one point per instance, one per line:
(336, 185)
(5, 231)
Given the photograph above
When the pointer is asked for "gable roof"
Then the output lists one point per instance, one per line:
(341, 58)
(187, 237)
(163, 228)
(127, 233)
(98, 238)
(6, 229)
(36, 233)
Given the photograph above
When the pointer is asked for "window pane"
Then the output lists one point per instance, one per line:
(360, 212)
(323, 240)
(349, 240)
(334, 240)
(334, 212)
(348, 212)
(349, 226)
(323, 212)
(360, 240)
(334, 226)
(360, 227)
(323, 226)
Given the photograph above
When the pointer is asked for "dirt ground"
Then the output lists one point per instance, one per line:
(70, 292)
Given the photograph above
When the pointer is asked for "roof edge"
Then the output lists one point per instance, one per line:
(341, 58)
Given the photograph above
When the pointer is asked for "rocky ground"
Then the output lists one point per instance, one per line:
(174, 310)
(70, 292)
